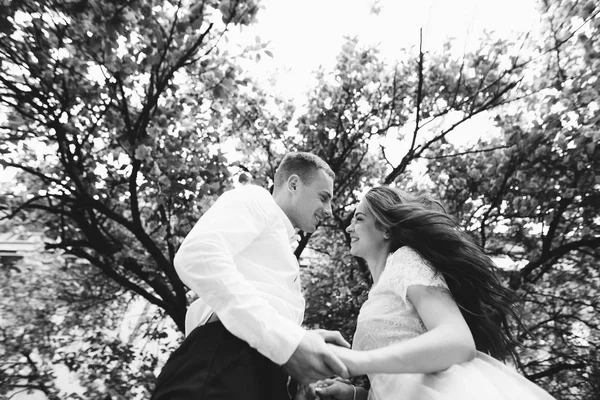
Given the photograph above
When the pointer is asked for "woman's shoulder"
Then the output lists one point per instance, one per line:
(406, 251)
(406, 255)
(409, 261)
(413, 269)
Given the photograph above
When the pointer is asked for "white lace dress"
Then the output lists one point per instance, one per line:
(388, 317)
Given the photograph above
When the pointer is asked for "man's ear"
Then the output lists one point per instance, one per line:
(293, 182)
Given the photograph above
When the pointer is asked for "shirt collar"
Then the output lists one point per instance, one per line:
(291, 231)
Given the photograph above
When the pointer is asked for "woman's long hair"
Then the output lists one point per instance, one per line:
(423, 225)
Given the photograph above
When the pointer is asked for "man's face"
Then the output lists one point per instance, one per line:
(312, 202)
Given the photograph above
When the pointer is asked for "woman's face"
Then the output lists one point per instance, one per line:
(367, 241)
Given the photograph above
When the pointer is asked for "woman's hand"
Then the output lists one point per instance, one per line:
(334, 389)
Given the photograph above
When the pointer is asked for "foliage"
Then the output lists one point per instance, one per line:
(531, 194)
(114, 124)
(364, 100)
(62, 316)
(123, 120)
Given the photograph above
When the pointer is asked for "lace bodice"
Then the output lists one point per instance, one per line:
(387, 316)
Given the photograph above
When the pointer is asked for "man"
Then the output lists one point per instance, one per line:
(246, 324)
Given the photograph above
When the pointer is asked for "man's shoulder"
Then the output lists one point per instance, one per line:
(251, 190)
(251, 199)
(249, 194)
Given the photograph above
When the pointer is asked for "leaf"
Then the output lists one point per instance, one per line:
(197, 24)
(153, 59)
(219, 92)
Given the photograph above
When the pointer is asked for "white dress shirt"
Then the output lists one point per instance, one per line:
(239, 260)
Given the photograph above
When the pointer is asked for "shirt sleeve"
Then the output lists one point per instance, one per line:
(205, 263)
(407, 268)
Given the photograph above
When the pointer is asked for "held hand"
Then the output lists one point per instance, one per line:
(334, 389)
(314, 359)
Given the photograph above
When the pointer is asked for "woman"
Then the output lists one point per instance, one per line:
(436, 314)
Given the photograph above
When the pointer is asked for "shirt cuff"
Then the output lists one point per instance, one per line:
(285, 342)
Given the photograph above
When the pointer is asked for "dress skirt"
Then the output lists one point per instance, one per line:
(484, 377)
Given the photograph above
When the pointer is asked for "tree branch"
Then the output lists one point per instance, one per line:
(553, 370)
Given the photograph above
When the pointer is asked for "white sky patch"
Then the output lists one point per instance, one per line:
(22, 18)
(397, 142)
(24, 395)
(506, 263)
(536, 228)
(60, 54)
(97, 73)
(580, 333)
(7, 174)
(305, 35)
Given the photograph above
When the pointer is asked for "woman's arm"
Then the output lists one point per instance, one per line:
(448, 340)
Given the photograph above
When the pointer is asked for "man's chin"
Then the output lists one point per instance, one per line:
(310, 229)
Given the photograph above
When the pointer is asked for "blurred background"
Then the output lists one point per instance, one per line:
(121, 122)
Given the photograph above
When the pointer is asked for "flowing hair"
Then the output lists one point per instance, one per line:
(422, 224)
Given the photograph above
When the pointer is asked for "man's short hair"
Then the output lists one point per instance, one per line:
(303, 164)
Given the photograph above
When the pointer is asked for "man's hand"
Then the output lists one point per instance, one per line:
(313, 359)
(333, 337)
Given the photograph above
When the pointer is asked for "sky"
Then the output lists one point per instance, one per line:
(306, 34)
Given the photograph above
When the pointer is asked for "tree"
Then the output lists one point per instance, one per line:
(529, 193)
(56, 314)
(114, 121)
(114, 125)
(536, 211)
(534, 198)
(364, 99)
(118, 120)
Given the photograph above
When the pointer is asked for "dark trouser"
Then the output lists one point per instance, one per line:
(211, 363)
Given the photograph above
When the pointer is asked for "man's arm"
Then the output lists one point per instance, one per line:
(205, 263)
